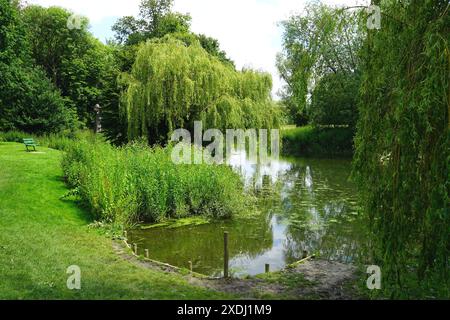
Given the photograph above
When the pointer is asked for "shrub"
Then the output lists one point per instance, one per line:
(30, 102)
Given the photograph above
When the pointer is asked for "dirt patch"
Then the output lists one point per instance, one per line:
(331, 279)
(251, 288)
(312, 279)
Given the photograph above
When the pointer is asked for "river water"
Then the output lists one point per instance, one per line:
(303, 204)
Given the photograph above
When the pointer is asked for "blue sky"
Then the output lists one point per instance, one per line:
(246, 29)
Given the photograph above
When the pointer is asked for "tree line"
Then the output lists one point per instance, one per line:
(53, 76)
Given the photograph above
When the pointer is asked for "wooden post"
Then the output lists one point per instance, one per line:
(190, 266)
(305, 254)
(267, 268)
(135, 248)
(147, 254)
(225, 254)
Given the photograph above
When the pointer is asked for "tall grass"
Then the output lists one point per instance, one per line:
(136, 183)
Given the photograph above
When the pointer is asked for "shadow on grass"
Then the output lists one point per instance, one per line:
(58, 178)
(79, 208)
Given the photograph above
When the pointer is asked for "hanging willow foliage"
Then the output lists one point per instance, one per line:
(172, 85)
(402, 143)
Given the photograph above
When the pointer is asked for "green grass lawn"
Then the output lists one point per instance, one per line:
(41, 235)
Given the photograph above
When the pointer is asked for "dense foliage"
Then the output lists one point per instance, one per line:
(156, 20)
(81, 66)
(334, 100)
(28, 100)
(316, 141)
(172, 85)
(402, 145)
(320, 58)
(135, 183)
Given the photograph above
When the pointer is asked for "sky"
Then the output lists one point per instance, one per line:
(248, 30)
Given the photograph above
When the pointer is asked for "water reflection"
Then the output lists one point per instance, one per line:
(305, 204)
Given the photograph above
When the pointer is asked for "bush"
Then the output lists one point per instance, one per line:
(326, 141)
(135, 183)
(30, 102)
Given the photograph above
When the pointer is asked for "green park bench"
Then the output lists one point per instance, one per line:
(29, 142)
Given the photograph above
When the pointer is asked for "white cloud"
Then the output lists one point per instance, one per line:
(246, 29)
(95, 10)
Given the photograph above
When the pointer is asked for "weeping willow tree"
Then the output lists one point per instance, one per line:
(172, 84)
(402, 145)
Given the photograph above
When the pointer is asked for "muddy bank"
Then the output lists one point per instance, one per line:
(312, 279)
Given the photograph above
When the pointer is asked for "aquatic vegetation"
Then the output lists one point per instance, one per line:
(136, 183)
(177, 223)
(284, 222)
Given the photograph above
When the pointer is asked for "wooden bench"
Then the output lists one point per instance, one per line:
(29, 142)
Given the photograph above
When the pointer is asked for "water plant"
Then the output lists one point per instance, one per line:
(136, 183)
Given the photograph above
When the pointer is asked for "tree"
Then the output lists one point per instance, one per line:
(212, 46)
(402, 146)
(323, 41)
(334, 100)
(155, 20)
(13, 44)
(172, 85)
(77, 63)
(28, 100)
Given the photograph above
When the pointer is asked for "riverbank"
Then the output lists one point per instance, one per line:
(311, 141)
(43, 235)
(310, 279)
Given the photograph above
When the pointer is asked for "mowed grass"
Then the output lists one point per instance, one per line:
(41, 236)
